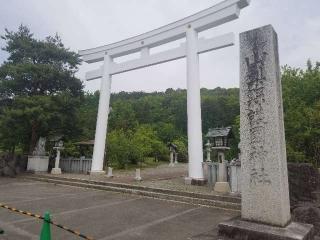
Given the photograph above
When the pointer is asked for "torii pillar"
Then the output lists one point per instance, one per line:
(194, 109)
(102, 119)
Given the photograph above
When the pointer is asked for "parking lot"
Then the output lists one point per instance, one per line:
(100, 214)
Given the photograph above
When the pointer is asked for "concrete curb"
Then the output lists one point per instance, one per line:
(223, 202)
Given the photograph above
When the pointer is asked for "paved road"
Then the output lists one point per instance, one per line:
(102, 215)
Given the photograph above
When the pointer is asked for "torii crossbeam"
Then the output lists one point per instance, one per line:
(188, 28)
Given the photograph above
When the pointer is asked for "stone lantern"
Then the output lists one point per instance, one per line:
(208, 150)
(173, 154)
(220, 141)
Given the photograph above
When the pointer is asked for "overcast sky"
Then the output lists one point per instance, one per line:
(84, 24)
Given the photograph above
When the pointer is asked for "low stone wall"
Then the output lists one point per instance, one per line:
(303, 181)
(12, 165)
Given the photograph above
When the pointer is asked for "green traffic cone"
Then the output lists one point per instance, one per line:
(45, 231)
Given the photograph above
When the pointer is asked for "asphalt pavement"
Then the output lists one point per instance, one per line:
(101, 214)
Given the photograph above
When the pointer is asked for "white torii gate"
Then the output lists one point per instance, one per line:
(188, 27)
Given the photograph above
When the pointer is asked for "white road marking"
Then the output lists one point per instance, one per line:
(141, 227)
(78, 210)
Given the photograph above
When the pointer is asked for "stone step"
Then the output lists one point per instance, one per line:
(171, 197)
(224, 198)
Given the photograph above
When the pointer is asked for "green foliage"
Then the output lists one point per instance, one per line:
(39, 94)
(181, 144)
(301, 98)
(142, 140)
(219, 107)
(141, 124)
(119, 149)
(87, 115)
(133, 147)
(234, 142)
(122, 116)
(37, 67)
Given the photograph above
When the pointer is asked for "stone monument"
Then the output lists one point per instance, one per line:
(38, 161)
(265, 206)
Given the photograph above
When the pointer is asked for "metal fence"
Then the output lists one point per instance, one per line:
(75, 165)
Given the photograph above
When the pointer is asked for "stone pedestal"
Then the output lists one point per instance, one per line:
(38, 163)
(222, 187)
(244, 230)
(56, 171)
(222, 184)
(193, 181)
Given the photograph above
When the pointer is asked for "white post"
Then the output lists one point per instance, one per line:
(110, 175)
(194, 107)
(56, 165)
(208, 155)
(56, 169)
(138, 175)
(171, 164)
(102, 119)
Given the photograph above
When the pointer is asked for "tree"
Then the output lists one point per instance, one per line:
(88, 111)
(119, 148)
(301, 94)
(142, 141)
(122, 116)
(37, 84)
